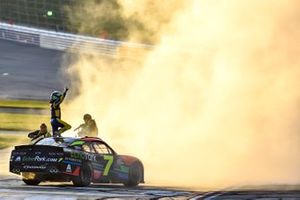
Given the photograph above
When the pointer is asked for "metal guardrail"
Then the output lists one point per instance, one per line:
(64, 41)
(23, 37)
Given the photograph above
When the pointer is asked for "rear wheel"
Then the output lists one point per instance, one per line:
(135, 175)
(31, 181)
(85, 176)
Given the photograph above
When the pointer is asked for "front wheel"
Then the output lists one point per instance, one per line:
(85, 176)
(31, 181)
(135, 175)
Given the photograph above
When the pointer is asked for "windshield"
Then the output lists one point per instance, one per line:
(59, 142)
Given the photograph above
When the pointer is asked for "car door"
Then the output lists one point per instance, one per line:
(106, 157)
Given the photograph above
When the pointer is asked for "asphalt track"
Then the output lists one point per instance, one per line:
(29, 72)
(14, 188)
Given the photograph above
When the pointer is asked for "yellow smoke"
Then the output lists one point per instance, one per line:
(215, 104)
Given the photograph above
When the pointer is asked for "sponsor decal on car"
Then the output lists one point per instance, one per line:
(55, 154)
(19, 153)
(110, 160)
(34, 167)
(77, 143)
(39, 159)
(83, 156)
(69, 168)
(123, 168)
(18, 159)
(73, 159)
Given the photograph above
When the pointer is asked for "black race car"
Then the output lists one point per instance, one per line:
(80, 160)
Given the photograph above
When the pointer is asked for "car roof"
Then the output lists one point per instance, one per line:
(91, 139)
(85, 139)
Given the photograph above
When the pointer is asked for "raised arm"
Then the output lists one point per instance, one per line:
(61, 99)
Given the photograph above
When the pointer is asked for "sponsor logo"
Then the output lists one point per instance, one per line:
(18, 159)
(18, 153)
(34, 167)
(39, 159)
(55, 154)
(73, 159)
(69, 169)
(83, 156)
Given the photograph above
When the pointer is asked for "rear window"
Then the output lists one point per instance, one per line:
(59, 142)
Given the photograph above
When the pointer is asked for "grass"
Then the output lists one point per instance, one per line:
(25, 122)
(7, 140)
(24, 104)
(28, 122)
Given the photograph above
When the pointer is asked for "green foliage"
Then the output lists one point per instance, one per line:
(28, 122)
(23, 104)
(98, 18)
(34, 12)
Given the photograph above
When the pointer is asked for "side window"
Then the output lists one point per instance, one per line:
(87, 148)
(101, 148)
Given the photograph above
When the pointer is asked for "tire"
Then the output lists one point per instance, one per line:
(31, 181)
(85, 176)
(135, 175)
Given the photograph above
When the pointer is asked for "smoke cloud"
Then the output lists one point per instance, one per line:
(214, 104)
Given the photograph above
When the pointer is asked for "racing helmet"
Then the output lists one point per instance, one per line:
(55, 96)
(87, 117)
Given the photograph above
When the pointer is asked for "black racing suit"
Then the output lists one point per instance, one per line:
(89, 129)
(56, 121)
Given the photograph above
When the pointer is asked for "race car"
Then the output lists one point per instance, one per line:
(80, 160)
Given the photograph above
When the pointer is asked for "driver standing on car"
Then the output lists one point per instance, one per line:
(56, 99)
(89, 127)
